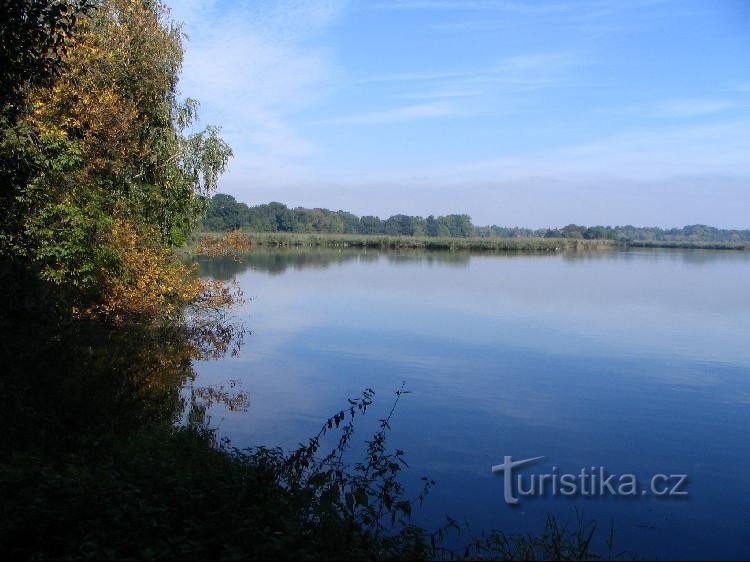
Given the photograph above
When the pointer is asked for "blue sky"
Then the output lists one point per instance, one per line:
(517, 112)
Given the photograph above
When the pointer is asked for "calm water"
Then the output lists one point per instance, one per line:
(637, 361)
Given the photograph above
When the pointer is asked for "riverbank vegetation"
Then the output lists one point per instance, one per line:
(238, 242)
(225, 213)
(688, 245)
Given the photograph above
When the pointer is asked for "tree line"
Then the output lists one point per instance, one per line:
(225, 213)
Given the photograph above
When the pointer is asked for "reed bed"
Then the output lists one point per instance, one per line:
(286, 240)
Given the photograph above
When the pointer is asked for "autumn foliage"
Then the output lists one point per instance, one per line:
(229, 244)
(105, 175)
(151, 283)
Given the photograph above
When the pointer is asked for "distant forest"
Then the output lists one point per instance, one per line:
(225, 213)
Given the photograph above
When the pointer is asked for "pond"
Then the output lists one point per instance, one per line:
(631, 362)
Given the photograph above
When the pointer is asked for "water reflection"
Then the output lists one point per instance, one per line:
(636, 360)
(687, 255)
(278, 260)
(67, 382)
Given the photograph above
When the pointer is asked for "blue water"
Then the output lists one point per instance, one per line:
(636, 361)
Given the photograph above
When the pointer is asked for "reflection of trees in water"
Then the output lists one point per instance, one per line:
(278, 260)
(68, 381)
(444, 258)
(684, 255)
(94, 467)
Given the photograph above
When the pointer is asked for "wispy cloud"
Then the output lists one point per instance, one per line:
(495, 5)
(645, 153)
(298, 85)
(253, 66)
(448, 93)
(395, 115)
(582, 18)
(695, 107)
(420, 76)
(438, 94)
(524, 69)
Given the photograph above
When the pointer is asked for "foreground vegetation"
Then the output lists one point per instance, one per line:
(108, 474)
(105, 451)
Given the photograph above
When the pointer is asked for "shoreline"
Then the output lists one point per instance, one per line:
(219, 243)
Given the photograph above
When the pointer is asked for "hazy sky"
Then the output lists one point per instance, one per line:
(515, 112)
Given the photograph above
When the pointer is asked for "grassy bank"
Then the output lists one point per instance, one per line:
(223, 243)
(525, 245)
(690, 245)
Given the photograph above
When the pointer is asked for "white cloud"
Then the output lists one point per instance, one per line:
(446, 93)
(253, 66)
(495, 5)
(452, 92)
(643, 154)
(518, 70)
(743, 87)
(438, 94)
(695, 107)
(417, 76)
(256, 67)
(396, 114)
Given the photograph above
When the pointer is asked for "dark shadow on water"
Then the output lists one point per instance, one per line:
(65, 378)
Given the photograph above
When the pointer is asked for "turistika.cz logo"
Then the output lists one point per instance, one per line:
(590, 481)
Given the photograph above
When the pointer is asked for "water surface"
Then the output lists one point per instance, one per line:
(638, 361)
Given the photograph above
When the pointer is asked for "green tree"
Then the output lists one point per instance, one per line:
(573, 231)
(458, 225)
(398, 225)
(371, 225)
(350, 222)
(107, 164)
(224, 213)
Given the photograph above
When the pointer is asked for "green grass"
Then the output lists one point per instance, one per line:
(523, 245)
(690, 245)
(510, 245)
